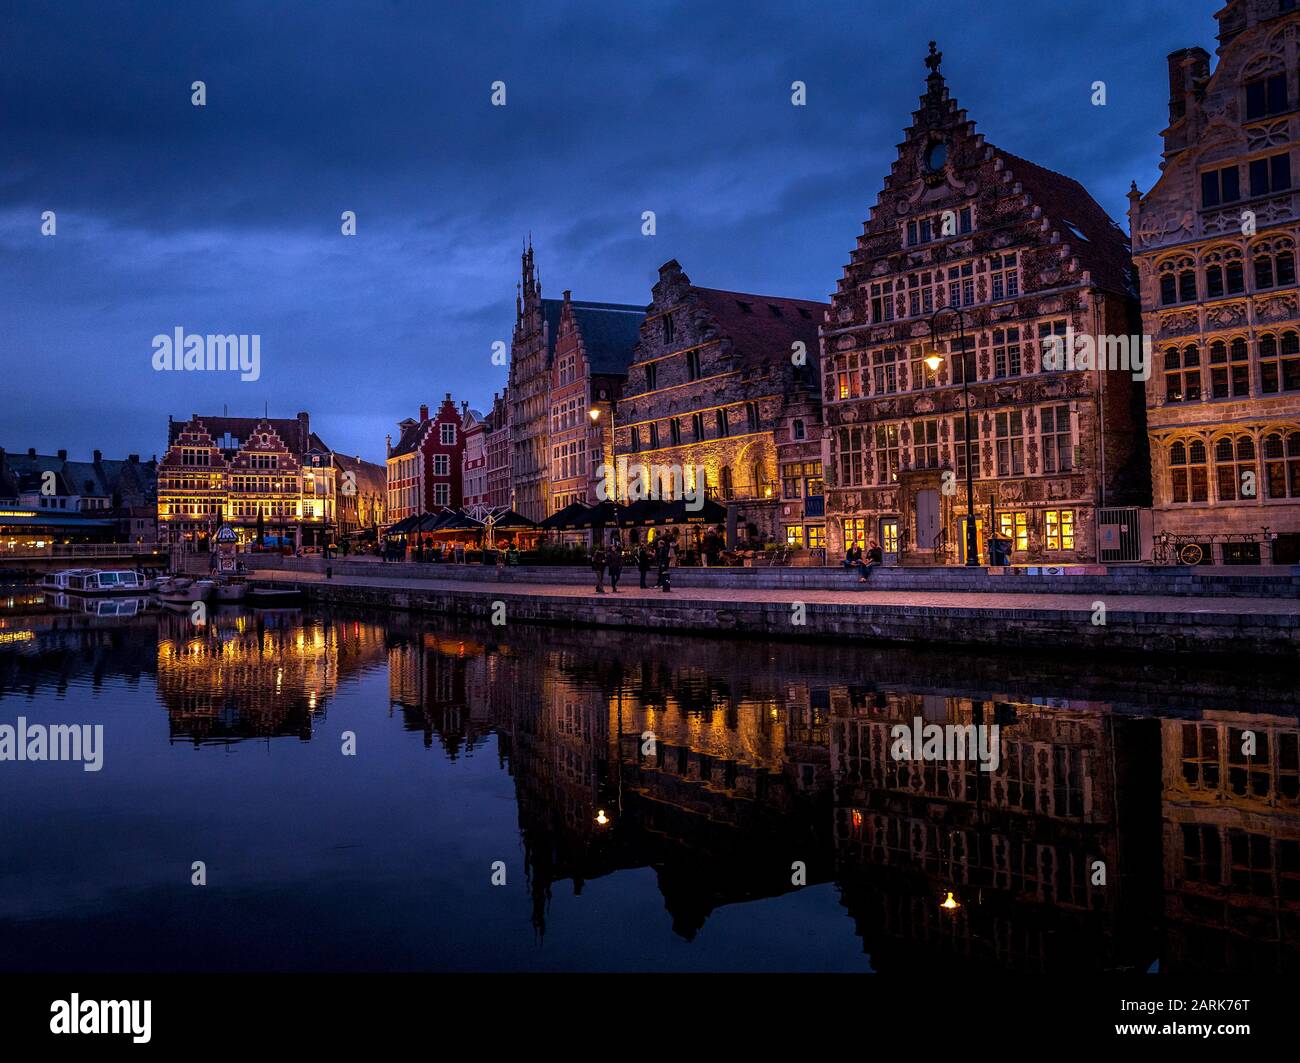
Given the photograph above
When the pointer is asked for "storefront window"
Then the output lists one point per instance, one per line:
(1015, 526)
(1060, 529)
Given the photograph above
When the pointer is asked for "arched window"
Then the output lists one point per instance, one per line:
(1234, 468)
(1177, 281)
(1279, 362)
(1274, 262)
(1229, 369)
(1282, 465)
(1188, 473)
(1224, 274)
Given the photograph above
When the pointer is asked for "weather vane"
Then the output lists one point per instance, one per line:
(934, 58)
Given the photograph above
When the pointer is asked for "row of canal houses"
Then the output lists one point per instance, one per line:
(863, 439)
(825, 425)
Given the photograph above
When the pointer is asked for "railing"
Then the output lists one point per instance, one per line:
(82, 550)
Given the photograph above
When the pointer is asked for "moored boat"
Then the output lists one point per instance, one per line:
(96, 581)
(181, 590)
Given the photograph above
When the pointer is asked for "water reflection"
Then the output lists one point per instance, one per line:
(1124, 825)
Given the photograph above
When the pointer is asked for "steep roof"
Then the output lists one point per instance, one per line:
(295, 432)
(604, 327)
(608, 336)
(410, 437)
(757, 323)
(1094, 238)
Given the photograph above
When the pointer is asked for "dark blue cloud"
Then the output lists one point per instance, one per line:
(226, 218)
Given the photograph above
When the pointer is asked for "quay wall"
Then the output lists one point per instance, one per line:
(1012, 630)
(1202, 582)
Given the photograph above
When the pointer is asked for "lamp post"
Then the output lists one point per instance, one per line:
(613, 466)
(933, 360)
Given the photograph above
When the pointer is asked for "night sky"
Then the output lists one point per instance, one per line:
(226, 218)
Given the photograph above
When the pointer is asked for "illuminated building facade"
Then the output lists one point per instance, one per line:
(1027, 256)
(270, 473)
(714, 376)
(1215, 243)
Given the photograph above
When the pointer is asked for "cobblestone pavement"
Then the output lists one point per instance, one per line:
(630, 590)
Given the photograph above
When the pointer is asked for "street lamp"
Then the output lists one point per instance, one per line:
(933, 361)
(613, 467)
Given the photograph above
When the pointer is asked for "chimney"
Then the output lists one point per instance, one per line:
(464, 408)
(389, 439)
(448, 398)
(424, 411)
(98, 457)
(63, 455)
(1187, 68)
(31, 452)
(134, 459)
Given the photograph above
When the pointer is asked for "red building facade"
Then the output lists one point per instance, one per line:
(425, 466)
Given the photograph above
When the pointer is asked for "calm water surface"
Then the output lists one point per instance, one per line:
(526, 746)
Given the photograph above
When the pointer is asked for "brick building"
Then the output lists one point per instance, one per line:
(1215, 242)
(496, 446)
(474, 475)
(1027, 255)
(529, 391)
(533, 372)
(362, 494)
(237, 470)
(712, 379)
(425, 465)
(593, 345)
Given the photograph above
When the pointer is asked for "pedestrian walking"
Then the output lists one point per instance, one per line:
(598, 566)
(643, 560)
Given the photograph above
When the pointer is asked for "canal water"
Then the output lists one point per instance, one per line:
(363, 791)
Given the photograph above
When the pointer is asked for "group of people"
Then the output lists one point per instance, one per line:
(662, 557)
(864, 563)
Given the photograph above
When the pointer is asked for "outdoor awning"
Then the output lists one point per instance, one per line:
(564, 518)
(512, 521)
(455, 520)
(593, 516)
(404, 526)
(684, 512)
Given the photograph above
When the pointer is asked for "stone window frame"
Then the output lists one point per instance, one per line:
(1221, 259)
(1234, 452)
(1181, 370)
(1176, 270)
(1056, 441)
(887, 447)
(1008, 357)
(1274, 249)
(1282, 357)
(1285, 459)
(1228, 362)
(1188, 455)
(1014, 438)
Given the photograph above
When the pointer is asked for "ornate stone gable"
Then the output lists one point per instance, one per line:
(265, 440)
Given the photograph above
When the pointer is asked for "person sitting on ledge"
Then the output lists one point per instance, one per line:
(853, 557)
(874, 557)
